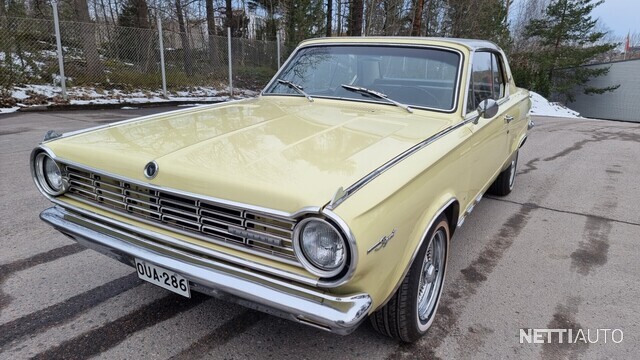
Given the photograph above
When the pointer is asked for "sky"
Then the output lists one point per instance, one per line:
(619, 16)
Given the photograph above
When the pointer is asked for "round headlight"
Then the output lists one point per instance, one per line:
(52, 174)
(322, 247)
(49, 175)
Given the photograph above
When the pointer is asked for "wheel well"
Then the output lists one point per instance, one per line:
(452, 212)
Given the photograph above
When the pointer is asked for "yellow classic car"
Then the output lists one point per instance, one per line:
(329, 198)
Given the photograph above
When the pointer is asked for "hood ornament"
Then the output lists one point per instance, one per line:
(151, 170)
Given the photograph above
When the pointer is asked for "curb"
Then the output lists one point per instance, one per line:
(71, 107)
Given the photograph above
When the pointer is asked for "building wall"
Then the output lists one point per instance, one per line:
(621, 104)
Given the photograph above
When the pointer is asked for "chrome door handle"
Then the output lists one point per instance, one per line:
(508, 118)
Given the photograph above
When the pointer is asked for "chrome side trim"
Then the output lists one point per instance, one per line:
(338, 314)
(469, 209)
(394, 161)
(415, 252)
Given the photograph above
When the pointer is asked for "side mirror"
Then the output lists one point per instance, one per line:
(487, 109)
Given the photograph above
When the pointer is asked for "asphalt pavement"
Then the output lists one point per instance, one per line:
(560, 252)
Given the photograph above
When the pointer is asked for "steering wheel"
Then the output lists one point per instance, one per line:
(434, 101)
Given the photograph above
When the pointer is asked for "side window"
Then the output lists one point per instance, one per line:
(481, 86)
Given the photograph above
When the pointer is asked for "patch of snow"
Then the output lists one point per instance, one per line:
(20, 92)
(9, 110)
(543, 107)
(128, 108)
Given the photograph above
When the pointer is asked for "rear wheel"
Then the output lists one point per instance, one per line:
(505, 181)
(410, 311)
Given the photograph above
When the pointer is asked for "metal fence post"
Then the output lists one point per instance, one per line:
(230, 64)
(278, 47)
(56, 25)
(164, 75)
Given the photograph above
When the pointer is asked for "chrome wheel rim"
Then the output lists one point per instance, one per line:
(512, 174)
(431, 276)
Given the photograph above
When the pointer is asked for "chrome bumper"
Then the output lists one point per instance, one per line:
(337, 314)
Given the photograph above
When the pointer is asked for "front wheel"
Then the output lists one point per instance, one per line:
(410, 311)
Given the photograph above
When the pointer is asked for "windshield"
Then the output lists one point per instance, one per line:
(419, 77)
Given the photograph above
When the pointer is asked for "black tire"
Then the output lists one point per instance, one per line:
(505, 181)
(399, 318)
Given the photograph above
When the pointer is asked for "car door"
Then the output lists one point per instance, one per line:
(489, 139)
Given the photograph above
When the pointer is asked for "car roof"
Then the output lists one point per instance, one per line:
(471, 44)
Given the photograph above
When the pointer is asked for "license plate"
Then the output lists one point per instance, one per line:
(163, 278)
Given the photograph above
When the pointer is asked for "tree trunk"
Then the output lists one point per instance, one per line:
(339, 18)
(417, 17)
(228, 13)
(142, 21)
(211, 30)
(356, 8)
(329, 16)
(94, 69)
(184, 37)
(428, 19)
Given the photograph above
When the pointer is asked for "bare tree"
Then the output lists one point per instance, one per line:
(356, 9)
(211, 29)
(228, 13)
(184, 37)
(87, 34)
(329, 16)
(417, 17)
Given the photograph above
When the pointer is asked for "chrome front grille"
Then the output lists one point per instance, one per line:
(218, 223)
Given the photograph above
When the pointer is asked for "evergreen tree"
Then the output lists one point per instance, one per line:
(567, 40)
(303, 19)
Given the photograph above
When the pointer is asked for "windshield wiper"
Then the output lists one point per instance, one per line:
(296, 87)
(378, 95)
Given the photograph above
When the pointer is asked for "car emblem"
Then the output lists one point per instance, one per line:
(383, 242)
(151, 170)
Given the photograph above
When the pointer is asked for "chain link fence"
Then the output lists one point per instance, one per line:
(106, 57)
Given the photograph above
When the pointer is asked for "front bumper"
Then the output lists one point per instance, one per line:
(338, 314)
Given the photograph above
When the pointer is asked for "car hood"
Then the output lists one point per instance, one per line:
(283, 153)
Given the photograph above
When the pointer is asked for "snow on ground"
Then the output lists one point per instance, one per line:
(49, 94)
(543, 107)
(9, 110)
(88, 96)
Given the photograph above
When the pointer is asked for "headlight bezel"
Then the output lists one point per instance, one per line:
(41, 176)
(308, 264)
